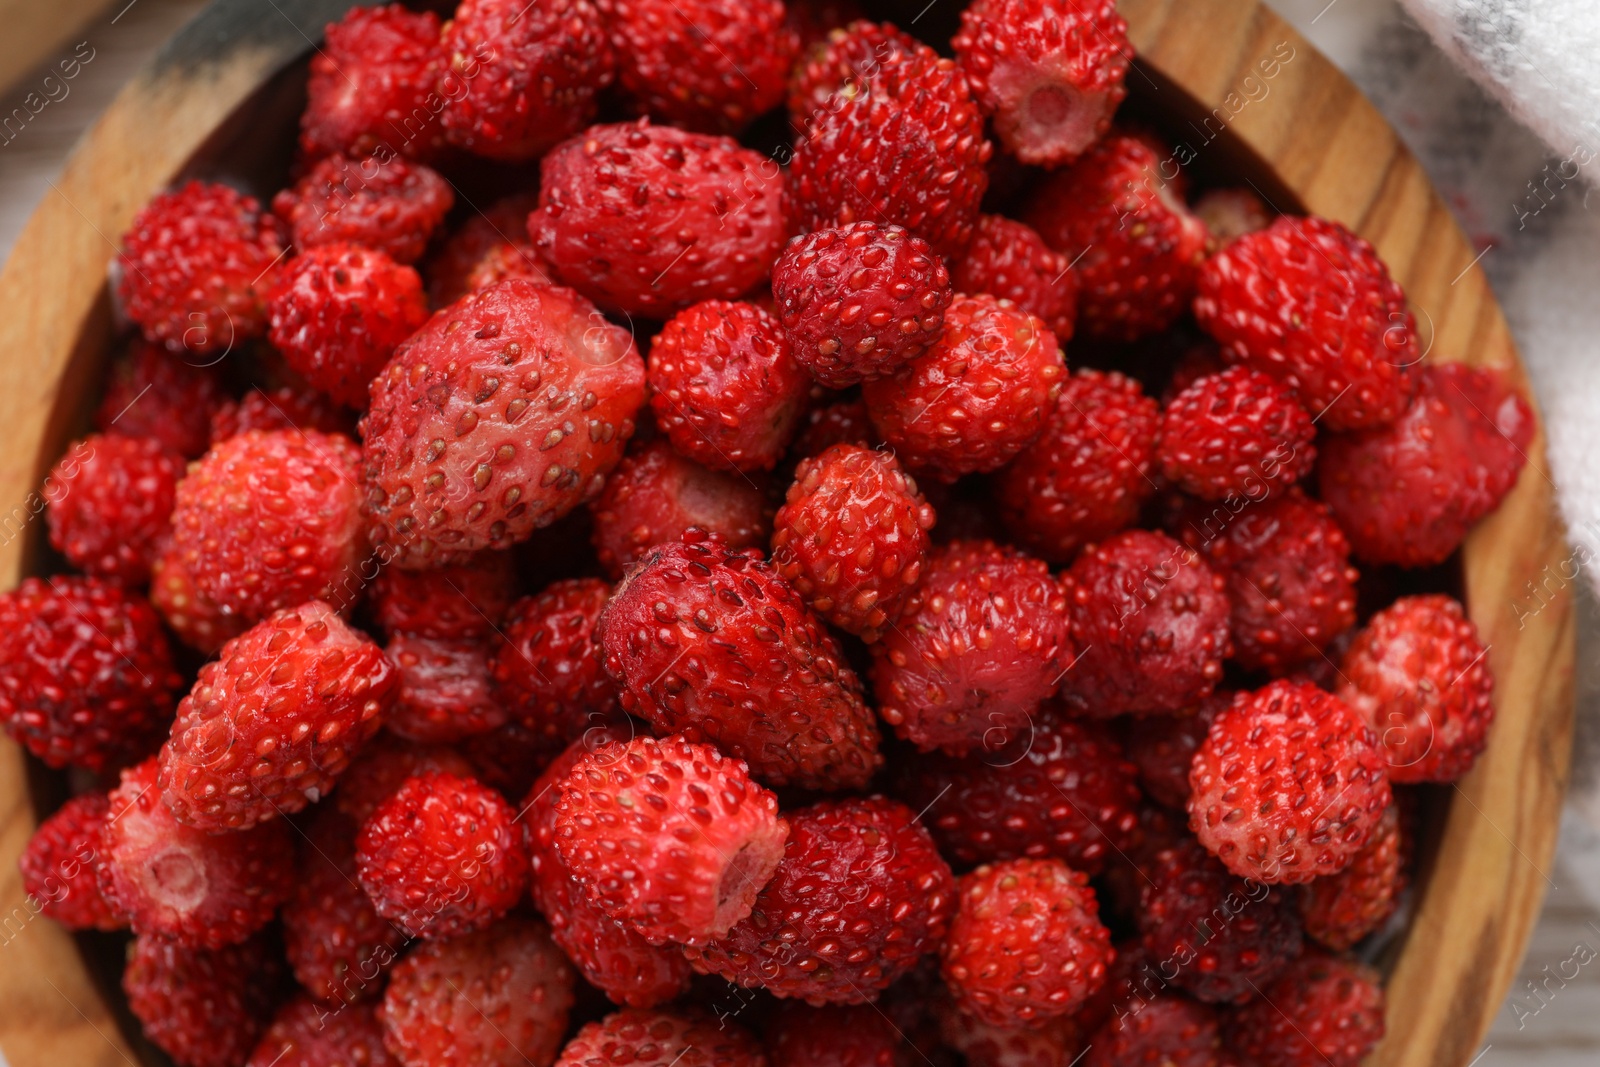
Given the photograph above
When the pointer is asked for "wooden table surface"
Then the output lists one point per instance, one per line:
(1552, 1018)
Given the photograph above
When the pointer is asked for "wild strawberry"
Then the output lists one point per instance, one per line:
(511, 756)
(1408, 493)
(858, 301)
(1163, 746)
(647, 220)
(1235, 433)
(1152, 619)
(1058, 788)
(1231, 213)
(1056, 1043)
(370, 85)
(1088, 474)
(1288, 785)
(283, 407)
(150, 393)
(1123, 225)
(494, 998)
(486, 248)
(655, 494)
(709, 642)
(443, 691)
(498, 417)
(839, 1035)
(1172, 1031)
(202, 1007)
(546, 665)
(194, 617)
(86, 675)
(172, 880)
(980, 644)
(442, 856)
(976, 397)
(521, 79)
(1008, 259)
(110, 504)
(384, 766)
(1311, 304)
(60, 866)
(1341, 909)
(465, 601)
(338, 311)
(1026, 944)
(307, 1034)
(860, 896)
(1323, 1011)
(814, 20)
(843, 422)
(1049, 72)
(381, 202)
(853, 537)
(842, 66)
(1214, 935)
(195, 266)
(917, 124)
(662, 1039)
(711, 65)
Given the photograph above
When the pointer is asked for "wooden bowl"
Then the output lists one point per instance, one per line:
(1244, 92)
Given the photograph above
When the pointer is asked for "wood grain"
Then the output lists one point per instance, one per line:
(30, 32)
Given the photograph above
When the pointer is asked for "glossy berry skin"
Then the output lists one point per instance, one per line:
(283, 407)
(383, 767)
(724, 386)
(174, 881)
(980, 644)
(710, 65)
(655, 494)
(709, 642)
(860, 897)
(273, 721)
(1152, 618)
(1026, 944)
(857, 301)
(152, 393)
(195, 267)
(86, 675)
(381, 202)
(1417, 674)
(1311, 304)
(1341, 909)
(1135, 246)
(1288, 785)
(1164, 1031)
(843, 422)
(1009, 259)
(547, 665)
(494, 998)
(466, 601)
(685, 1038)
(110, 504)
(519, 80)
(369, 83)
(202, 1007)
(192, 616)
(444, 691)
(338, 311)
(442, 856)
(307, 1034)
(1163, 746)
(1058, 787)
(855, 1035)
(1089, 473)
(1235, 433)
(852, 537)
(843, 64)
(485, 249)
(1409, 492)
(1056, 1042)
(647, 220)
(498, 417)
(1049, 73)
(976, 397)
(60, 864)
(1323, 1011)
(668, 836)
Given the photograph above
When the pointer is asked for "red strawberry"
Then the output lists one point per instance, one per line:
(195, 266)
(522, 78)
(852, 537)
(1311, 304)
(975, 398)
(498, 417)
(1057, 1043)
(110, 504)
(149, 393)
(1408, 493)
(486, 248)
(338, 311)
(202, 1007)
(710, 643)
(443, 691)
(175, 881)
(647, 220)
(466, 601)
(547, 666)
(1237, 433)
(1165, 1031)
(442, 856)
(1288, 785)
(814, 20)
(1049, 72)
(283, 407)
(370, 86)
(273, 721)
(494, 998)
(194, 617)
(1026, 944)
(1231, 213)
(843, 65)
(860, 896)
(843, 422)
(1088, 474)
(86, 675)
(60, 866)
(1324, 1011)
(384, 766)
(1417, 675)
(662, 1039)
(382, 202)
(858, 301)
(711, 65)
(854, 1035)
(307, 1034)
(981, 643)
(511, 756)
(1124, 227)
(1163, 746)
(1010, 260)
(1341, 909)
(1151, 617)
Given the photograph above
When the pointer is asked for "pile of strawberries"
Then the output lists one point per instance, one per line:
(701, 584)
